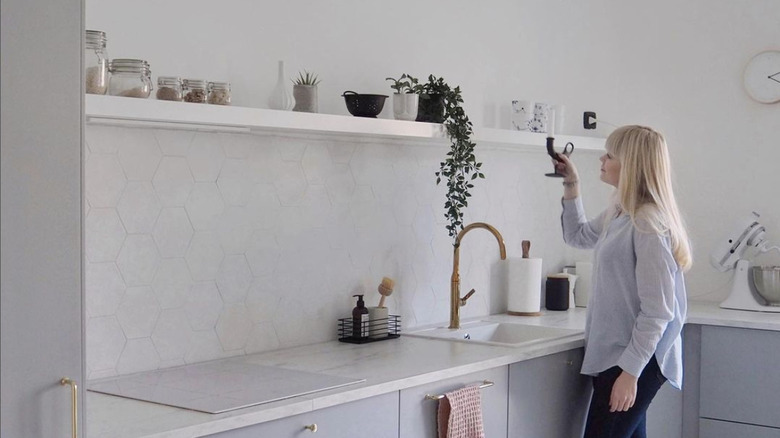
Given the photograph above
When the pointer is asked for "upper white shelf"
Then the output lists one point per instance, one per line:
(126, 111)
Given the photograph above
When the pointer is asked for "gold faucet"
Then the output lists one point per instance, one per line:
(455, 300)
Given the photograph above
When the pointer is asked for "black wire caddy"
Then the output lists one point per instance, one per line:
(380, 329)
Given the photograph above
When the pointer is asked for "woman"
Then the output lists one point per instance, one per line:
(638, 304)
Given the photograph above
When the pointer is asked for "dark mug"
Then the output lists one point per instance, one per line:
(557, 293)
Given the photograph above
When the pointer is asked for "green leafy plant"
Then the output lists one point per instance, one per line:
(406, 84)
(460, 167)
(306, 78)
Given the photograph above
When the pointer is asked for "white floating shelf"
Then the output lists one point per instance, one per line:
(152, 113)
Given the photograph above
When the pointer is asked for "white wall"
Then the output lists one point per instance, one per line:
(674, 66)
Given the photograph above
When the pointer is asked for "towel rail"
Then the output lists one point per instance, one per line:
(485, 384)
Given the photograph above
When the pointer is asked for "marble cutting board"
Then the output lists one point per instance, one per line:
(218, 386)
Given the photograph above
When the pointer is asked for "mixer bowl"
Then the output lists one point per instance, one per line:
(767, 282)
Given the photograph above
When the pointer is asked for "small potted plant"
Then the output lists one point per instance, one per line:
(305, 92)
(405, 98)
(460, 167)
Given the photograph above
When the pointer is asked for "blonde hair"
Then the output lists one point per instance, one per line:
(645, 186)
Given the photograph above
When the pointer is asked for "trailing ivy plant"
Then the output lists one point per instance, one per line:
(461, 167)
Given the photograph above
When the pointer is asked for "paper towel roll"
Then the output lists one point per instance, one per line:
(584, 272)
(524, 283)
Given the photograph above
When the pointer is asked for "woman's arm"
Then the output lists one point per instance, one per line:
(655, 277)
(577, 230)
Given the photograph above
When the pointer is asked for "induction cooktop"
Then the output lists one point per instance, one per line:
(218, 386)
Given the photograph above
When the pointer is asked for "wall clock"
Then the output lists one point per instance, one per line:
(762, 77)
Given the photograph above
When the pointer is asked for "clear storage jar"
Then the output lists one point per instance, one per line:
(195, 90)
(130, 78)
(219, 93)
(96, 62)
(169, 88)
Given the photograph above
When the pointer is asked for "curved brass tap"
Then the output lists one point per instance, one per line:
(455, 300)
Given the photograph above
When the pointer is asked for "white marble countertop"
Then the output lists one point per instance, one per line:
(387, 366)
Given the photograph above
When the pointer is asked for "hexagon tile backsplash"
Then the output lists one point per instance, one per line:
(202, 245)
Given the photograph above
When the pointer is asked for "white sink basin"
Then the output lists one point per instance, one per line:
(497, 333)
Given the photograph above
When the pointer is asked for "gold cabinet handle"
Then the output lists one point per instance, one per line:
(312, 427)
(74, 400)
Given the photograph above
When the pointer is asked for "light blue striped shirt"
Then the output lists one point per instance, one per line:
(638, 302)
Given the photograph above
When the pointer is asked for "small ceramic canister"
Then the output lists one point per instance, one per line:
(522, 114)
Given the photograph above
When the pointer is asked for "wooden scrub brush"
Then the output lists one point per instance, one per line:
(385, 289)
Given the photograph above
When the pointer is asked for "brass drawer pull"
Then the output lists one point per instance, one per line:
(312, 427)
(485, 384)
(74, 400)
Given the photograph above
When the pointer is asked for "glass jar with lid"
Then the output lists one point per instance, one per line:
(219, 93)
(195, 90)
(96, 62)
(169, 88)
(130, 78)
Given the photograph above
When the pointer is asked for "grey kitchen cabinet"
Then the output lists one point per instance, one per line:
(664, 416)
(548, 397)
(375, 417)
(41, 206)
(739, 377)
(418, 414)
(726, 429)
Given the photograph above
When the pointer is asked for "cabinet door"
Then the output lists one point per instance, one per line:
(724, 429)
(740, 377)
(548, 397)
(375, 417)
(418, 414)
(664, 416)
(40, 143)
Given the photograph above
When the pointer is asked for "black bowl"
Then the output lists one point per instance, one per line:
(364, 105)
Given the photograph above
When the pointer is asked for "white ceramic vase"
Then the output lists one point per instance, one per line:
(405, 106)
(281, 98)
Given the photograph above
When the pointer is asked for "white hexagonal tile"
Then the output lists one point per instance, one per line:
(206, 157)
(290, 149)
(174, 142)
(262, 338)
(101, 139)
(172, 334)
(104, 180)
(173, 232)
(204, 256)
(290, 183)
(205, 346)
(263, 254)
(139, 355)
(341, 152)
(263, 298)
(238, 145)
(138, 260)
(173, 181)
(234, 229)
(263, 207)
(340, 185)
(204, 206)
(138, 208)
(105, 342)
(138, 312)
(103, 235)
(172, 283)
(139, 155)
(317, 164)
(104, 288)
(234, 327)
(235, 182)
(234, 279)
(203, 306)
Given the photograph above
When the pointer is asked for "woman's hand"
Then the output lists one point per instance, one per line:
(566, 168)
(623, 393)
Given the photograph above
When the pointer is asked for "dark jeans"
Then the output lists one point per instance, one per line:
(629, 424)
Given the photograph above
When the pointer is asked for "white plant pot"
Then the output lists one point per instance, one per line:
(405, 106)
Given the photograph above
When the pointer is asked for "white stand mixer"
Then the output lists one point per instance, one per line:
(728, 255)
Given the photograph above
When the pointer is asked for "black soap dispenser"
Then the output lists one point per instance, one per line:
(360, 319)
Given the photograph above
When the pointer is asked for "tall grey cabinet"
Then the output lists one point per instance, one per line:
(41, 336)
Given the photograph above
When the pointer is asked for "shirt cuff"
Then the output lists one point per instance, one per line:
(631, 364)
